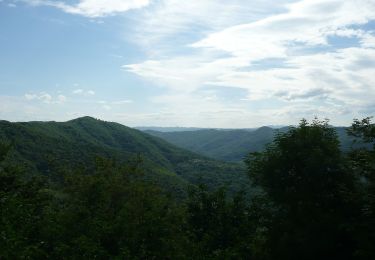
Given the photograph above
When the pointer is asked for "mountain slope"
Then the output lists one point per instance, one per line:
(43, 147)
(227, 145)
(232, 145)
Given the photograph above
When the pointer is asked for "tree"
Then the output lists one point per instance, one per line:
(111, 212)
(303, 175)
(106, 212)
(362, 162)
(23, 201)
(219, 227)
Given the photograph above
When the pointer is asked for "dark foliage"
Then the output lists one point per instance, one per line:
(233, 145)
(362, 163)
(48, 147)
(313, 200)
(303, 174)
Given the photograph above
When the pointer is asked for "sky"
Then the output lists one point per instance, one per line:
(206, 63)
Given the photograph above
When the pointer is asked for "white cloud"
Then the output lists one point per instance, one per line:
(161, 22)
(93, 8)
(83, 92)
(45, 98)
(61, 98)
(282, 54)
(30, 96)
(107, 105)
(298, 62)
(78, 91)
(308, 22)
(122, 102)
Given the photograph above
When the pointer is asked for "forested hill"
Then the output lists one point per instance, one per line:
(316, 202)
(231, 145)
(47, 147)
(227, 145)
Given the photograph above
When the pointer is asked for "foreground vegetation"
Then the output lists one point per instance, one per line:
(314, 202)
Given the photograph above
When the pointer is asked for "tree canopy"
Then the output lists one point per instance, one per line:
(310, 201)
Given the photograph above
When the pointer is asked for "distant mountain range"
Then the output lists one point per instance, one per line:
(168, 129)
(185, 129)
(172, 159)
(48, 147)
(231, 145)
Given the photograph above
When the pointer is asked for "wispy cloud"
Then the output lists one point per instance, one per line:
(292, 56)
(46, 98)
(168, 21)
(61, 98)
(83, 92)
(78, 91)
(307, 23)
(93, 8)
(284, 60)
(107, 104)
(122, 102)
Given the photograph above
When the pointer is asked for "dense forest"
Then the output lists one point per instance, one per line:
(96, 190)
(231, 145)
(47, 147)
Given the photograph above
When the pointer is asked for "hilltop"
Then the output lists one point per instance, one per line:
(46, 147)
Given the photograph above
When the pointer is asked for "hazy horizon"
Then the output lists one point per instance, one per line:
(152, 127)
(169, 63)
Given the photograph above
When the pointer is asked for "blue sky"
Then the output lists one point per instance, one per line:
(230, 64)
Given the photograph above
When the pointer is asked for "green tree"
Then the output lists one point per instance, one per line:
(23, 201)
(112, 212)
(303, 176)
(220, 227)
(106, 212)
(363, 165)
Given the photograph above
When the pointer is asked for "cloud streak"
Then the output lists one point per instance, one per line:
(286, 58)
(82, 92)
(46, 98)
(93, 8)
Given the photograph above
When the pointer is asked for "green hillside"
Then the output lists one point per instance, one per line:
(314, 201)
(232, 145)
(46, 147)
(227, 145)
